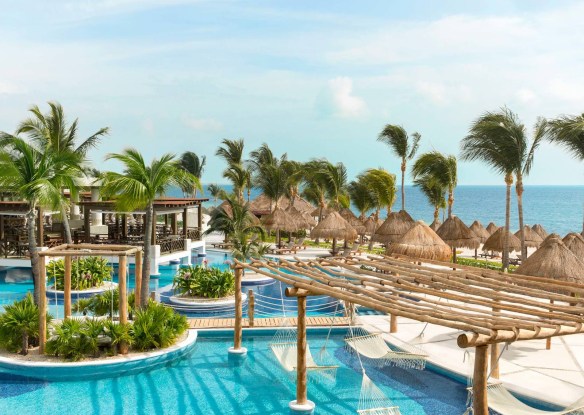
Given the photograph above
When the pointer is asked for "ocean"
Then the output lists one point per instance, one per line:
(558, 209)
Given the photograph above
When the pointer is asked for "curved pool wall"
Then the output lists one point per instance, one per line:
(91, 370)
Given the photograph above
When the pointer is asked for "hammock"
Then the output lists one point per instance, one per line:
(372, 400)
(372, 346)
(504, 403)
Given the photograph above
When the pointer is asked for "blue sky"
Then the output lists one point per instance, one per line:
(310, 78)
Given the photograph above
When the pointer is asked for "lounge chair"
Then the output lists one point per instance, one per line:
(289, 249)
(299, 244)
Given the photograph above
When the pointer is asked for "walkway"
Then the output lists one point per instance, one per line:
(218, 323)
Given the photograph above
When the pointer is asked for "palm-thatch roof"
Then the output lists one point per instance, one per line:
(334, 226)
(456, 234)
(353, 220)
(554, 260)
(226, 207)
(325, 211)
(435, 224)
(480, 231)
(280, 220)
(421, 242)
(540, 230)
(302, 222)
(495, 241)
(371, 225)
(532, 238)
(575, 243)
(394, 227)
(492, 228)
(262, 205)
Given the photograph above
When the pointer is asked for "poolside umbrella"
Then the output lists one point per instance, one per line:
(575, 243)
(421, 242)
(394, 227)
(353, 220)
(492, 228)
(457, 235)
(226, 207)
(480, 232)
(532, 238)
(302, 221)
(325, 212)
(495, 242)
(435, 224)
(334, 226)
(279, 220)
(540, 230)
(370, 225)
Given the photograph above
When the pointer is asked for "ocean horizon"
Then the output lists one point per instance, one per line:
(558, 208)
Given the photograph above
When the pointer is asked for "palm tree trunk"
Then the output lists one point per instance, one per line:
(32, 249)
(24, 345)
(66, 226)
(403, 192)
(145, 294)
(519, 191)
(505, 254)
(375, 230)
(450, 201)
(436, 213)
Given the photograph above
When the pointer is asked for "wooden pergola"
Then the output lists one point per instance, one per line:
(489, 307)
(84, 250)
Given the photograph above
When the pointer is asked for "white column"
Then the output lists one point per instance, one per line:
(95, 217)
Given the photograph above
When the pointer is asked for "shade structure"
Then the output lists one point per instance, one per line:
(353, 220)
(421, 242)
(540, 230)
(553, 260)
(435, 224)
(300, 220)
(575, 243)
(532, 238)
(279, 219)
(457, 235)
(334, 226)
(480, 231)
(325, 212)
(226, 207)
(394, 227)
(263, 205)
(492, 228)
(370, 225)
(495, 242)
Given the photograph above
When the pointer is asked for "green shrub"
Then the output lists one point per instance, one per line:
(19, 325)
(481, 263)
(101, 304)
(197, 281)
(86, 273)
(73, 339)
(118, 333)
(157, 326)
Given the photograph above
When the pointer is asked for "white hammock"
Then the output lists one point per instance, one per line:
(372, 401)
(287, 355)
(372, 346)
(503, 402)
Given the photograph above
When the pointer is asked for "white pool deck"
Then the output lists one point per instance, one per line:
(526, 367)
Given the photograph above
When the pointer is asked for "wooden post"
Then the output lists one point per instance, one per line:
(250, 307)
(301, 383)
(87, 223)
(479, 387)
(138, 278)
(548, 341)
(495, 351)
(200, 217)
(393, 324)
(174, 223)
(123, 299)
(238, 310)
(185, 223)
(67, 293)
(42, 305)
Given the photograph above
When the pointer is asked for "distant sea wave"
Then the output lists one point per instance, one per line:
(558, 209)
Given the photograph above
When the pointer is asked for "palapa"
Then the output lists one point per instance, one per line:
(421, 242)
(394, 227)
(334, 226)
(226, 207)
(457, 235)
(263, 205)
(495, 242)
(353, 220)
(540, 230)
(279, 220)
(325, 212)
(492, 228)
(480, 231)
(371, 225)
(299, 218)
(553, 260)
(532, 238)
(575, 243)
(435, 224)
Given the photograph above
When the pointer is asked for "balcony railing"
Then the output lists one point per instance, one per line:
(194, 234)
(169, 245)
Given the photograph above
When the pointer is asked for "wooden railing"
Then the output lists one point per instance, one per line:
(194, 234)
(169, 245)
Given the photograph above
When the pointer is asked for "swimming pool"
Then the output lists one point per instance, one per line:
(208, 382)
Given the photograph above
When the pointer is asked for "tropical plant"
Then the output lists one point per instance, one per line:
(231, 151)
(37, 177)
(87, 272)
(198, 281)
(434, 192)
(119, 334)
(240, 177)
(316, 186)
(361, 196)
(436, 171)
(216, 192)
(396, 137)
(137, 188)
(73, 339)
(195, 165)
(382, 185)
(19, 325)
(104, 303)
(50, 133)
(157, 326)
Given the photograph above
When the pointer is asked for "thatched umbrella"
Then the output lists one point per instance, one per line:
(325, 212)
(279, 220)
(298, 217)
(480, 232)
(575, 243)
(532, 238)
(495, 242)
(492, 228)
(457, 235)
(435, 224)
(394, 227)
(353, 220)
(334, 226)
(421, 242)
(371, 225)
(540, 230)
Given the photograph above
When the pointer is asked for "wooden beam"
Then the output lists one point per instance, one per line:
(42, 287)
(301, 375)
(138, 278)
(123, 298)
(250, 308)
(67, 290)
(185, 223)
(479, 386)
(295, 292)
(87, 223)
(237, 334)
(393, 324)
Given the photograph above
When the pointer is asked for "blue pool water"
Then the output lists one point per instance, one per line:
(208, 382)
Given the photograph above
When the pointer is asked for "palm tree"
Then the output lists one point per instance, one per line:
(361, 196)
(195, 165)
(568, 131)
(231, 152)
(50, 132)
(442, 169)
(239, 175)
(216, 192)
(315, 184)
(269, 173)
(434, 191)
(398, 140)
(382, 185)
(37, 177)
(137, 188)
(337, 178)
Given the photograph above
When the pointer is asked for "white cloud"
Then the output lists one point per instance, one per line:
(338, 99)
(526, 96)
(7, 88)
(203, 124)
(148, 126)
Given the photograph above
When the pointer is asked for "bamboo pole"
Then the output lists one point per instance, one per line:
(301, 375)
(123, 299)
(250, 307)
(393, 324)
(42, 284)
(548, 341)
(138, 278)
(479, 387)
(238, 329)
(67, 289)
